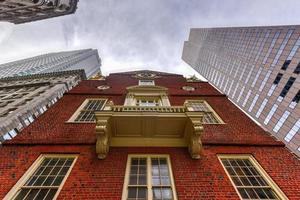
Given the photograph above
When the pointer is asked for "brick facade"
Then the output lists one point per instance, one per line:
(92, 178)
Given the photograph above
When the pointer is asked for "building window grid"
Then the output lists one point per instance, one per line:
(275, 83)
(295, 100)
(149, 177)
(263, 83)
(241, 93)
(209, 114)
(248, 179)
(257, 39)
(236, 87)
(270, 114)
(282, 46)
(242, 72)
(237, 67)
(219, 78)
(281, 121)
(46, 179)
(292, 132)
(286, 88)
(229, 89)
(256, 77)
(222, 85)
(247, 97)
(271, 46)
(249, 74)
(261, 108)
(227, 81)
(294, 49)
(262, 44)
(87, 113)
(297, 69)
(253, 102)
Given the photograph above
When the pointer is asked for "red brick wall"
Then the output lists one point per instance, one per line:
(92, 178)
(52, 128)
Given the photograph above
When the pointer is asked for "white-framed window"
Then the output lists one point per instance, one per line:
(86, 112)
(249, 178)
(149, 177)
(148, 101)
(146, 82)
(210, 116)
(44, 179)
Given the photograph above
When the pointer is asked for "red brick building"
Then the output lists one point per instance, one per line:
(156, 136)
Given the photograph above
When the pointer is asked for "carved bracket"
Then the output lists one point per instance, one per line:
(103, 137)
(194, 143)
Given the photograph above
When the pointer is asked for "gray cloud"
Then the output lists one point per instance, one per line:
(139, 34)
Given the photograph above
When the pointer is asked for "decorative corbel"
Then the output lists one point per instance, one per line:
(103, 137)
(195, 144)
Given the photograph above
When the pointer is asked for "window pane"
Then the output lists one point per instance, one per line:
(22, 194)
(200, 106)
(46, 174)
(87, 113)
(247, 179)
(42, 193)
(50, 194)
(132, 192)
(160, 185)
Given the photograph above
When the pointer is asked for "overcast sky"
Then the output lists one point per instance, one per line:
(139, 34)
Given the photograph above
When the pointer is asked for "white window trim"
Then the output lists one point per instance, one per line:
(131, 98)
(148, 156)
(144, 80)
(259, 168)
(148, 99)
(32, 169)
(77, 112)
(219, 119)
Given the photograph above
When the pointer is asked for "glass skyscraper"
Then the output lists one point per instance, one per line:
(87, 59)
(258, 69)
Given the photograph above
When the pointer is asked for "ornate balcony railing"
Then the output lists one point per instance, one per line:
(162, 109)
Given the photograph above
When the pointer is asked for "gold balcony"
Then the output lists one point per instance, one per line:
(158, 126)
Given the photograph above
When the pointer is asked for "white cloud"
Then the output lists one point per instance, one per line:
(137, 34)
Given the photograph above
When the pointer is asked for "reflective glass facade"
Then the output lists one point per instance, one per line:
(259, 71)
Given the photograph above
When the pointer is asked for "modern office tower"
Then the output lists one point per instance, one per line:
(87, 59)
(258, 69)
(24, 98)
(22, 11)
(146, 135)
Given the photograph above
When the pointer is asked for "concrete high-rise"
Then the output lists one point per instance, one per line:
(17, 12)
(258, 69)
(87, 59)
(24, 98)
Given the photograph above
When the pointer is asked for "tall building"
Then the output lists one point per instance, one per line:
(258, 69)
(87, 59)
(24, 98)
(22, 11)
(146, 135)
